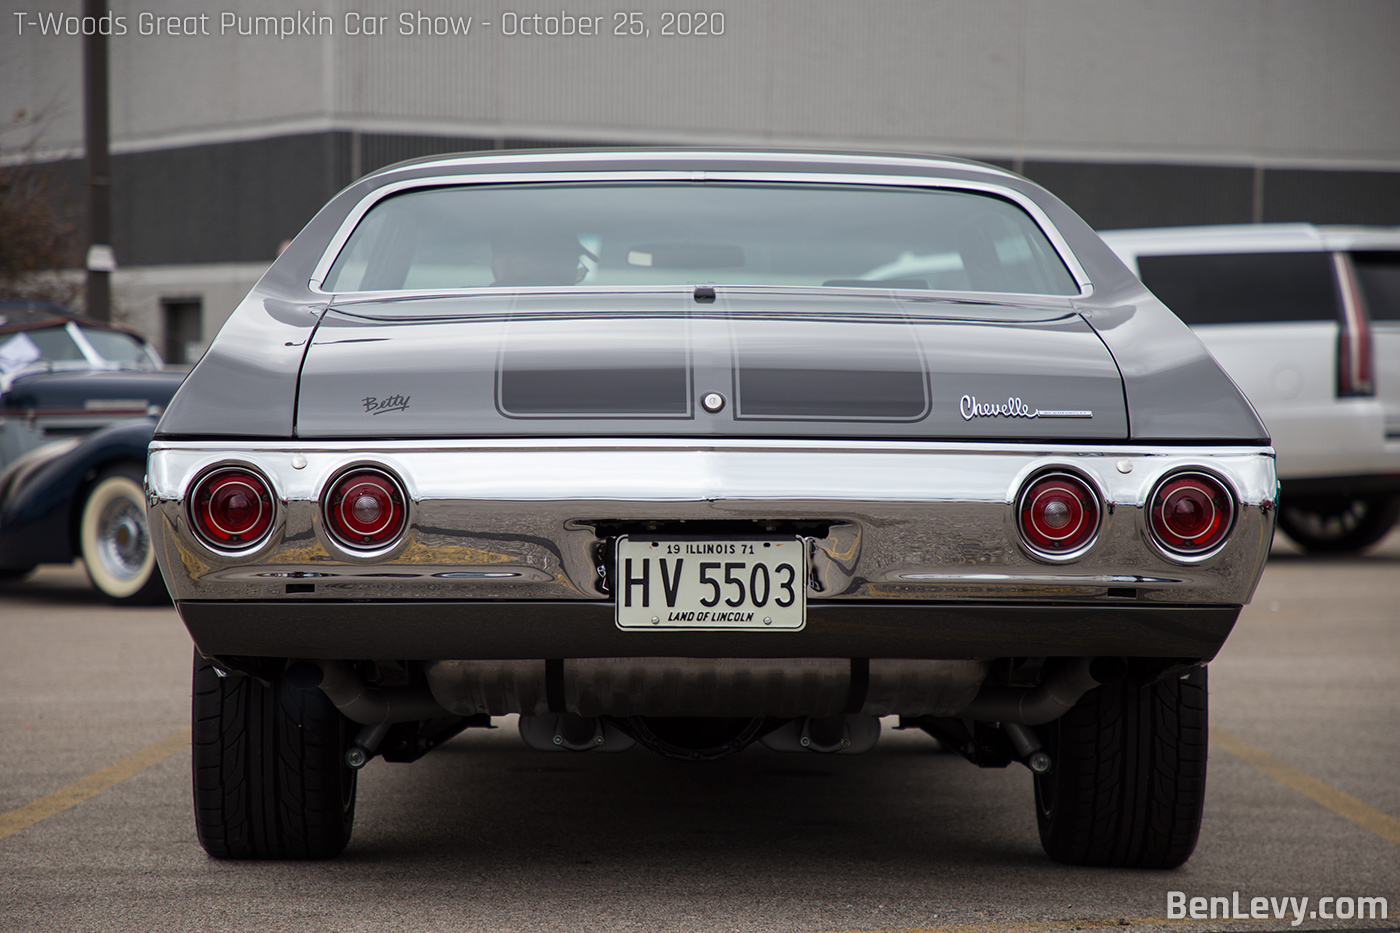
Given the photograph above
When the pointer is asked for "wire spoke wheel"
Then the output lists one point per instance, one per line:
(114, 539)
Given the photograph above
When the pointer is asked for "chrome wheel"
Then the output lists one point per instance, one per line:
(124, 543)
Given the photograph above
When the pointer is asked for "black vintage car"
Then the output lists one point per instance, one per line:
(78, 398)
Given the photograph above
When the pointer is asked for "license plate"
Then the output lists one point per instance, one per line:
(711, 584)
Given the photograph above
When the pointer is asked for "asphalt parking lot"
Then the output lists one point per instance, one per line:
(96, 831)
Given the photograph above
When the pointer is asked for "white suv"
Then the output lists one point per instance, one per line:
(1307, 321)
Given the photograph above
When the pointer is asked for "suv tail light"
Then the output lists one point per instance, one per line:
(1058, 514)
(1191, 513)
(365, 509)
(1355, 353)
(231, 509)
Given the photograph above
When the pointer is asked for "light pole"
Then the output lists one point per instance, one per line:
(101, 261)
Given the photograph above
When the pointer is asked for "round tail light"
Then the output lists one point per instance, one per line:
(1191, 513)
(1058, 514)
(232, 509)
(365, 510)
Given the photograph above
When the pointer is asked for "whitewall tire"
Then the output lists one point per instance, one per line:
(114, 539)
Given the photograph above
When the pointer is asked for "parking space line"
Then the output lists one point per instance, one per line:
(1339, 802)
(93, 784)
(1018, 926)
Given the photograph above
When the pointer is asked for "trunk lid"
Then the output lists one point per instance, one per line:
(810, 364)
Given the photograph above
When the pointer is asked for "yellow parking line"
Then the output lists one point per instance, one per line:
(1121, 923)
(1339, 802)
(93, 784)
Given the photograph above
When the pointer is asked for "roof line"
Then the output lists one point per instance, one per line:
(683, 153)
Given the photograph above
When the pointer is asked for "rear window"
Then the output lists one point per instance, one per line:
(1379, 274)
(118, 347)
(1244, 288)
(668, 233)
(55, 344)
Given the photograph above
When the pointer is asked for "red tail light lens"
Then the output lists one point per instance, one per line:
(1058, 514)
(1191, 513)
(365, 509)
(232, 509)
(1355, 349)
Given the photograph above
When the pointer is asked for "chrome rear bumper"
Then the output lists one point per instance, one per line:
(518, 521)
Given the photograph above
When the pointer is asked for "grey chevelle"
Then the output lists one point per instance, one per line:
(700, 449)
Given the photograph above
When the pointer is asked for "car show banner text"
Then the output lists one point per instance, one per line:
(624, 23)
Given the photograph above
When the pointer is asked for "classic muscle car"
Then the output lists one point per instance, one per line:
(78, 401)
(699, 449)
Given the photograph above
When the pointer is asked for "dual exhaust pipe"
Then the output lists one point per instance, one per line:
(1057, 695)
(1029, 706)
(1016, 708)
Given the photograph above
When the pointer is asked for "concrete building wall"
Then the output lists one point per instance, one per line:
(142, 293)
(1241, 82)
(1136, 112)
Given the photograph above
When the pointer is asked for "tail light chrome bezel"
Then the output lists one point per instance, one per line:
(338, 529)
(205, 528)
(1220, 526)
(1086, 513)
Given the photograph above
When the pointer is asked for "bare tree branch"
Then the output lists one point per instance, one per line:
(38, 232)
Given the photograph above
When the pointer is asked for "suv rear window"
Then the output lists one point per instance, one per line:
(1244, 288)
(1380, 281)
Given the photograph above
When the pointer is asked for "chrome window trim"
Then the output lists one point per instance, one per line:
(363, 206)
(75, 333)
(692, 155)
(342, 301)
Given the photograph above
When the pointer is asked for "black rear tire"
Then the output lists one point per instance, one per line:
(1337, 524)
(1128, 777)
(270, 779)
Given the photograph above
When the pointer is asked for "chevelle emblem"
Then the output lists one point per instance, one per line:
(1013, 407)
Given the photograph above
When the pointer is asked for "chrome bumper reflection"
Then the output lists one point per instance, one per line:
(515, 519)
